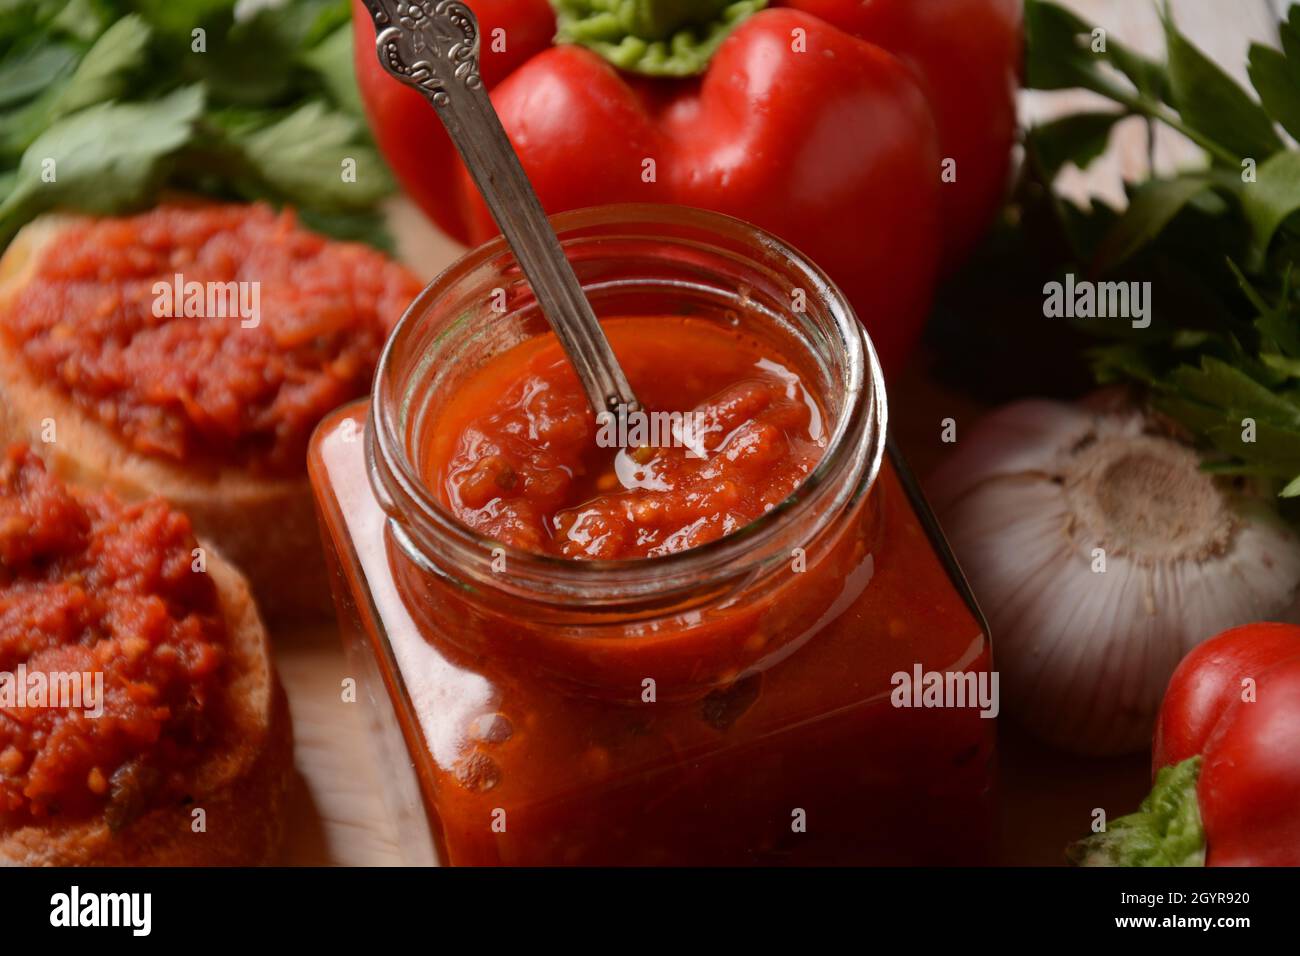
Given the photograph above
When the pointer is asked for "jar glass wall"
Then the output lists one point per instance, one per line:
(740, 702)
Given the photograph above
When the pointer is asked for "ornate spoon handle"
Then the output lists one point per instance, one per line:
(432, 46)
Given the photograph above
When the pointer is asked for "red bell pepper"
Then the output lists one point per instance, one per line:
(966, 54)
(1226, 761)
(823, 121)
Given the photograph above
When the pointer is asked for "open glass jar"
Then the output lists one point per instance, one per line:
(740, 702)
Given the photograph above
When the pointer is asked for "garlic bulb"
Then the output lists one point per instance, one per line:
(1101, 554)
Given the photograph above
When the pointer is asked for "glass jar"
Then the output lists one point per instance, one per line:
(740, 702)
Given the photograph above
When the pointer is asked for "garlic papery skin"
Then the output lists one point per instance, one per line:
(1101, 554)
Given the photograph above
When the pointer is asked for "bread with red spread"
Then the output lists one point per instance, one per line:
(192, 717)
(210, 414)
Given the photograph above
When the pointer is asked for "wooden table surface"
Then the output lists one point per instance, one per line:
(338, 816)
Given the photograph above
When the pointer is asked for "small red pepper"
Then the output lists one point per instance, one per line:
(826, 122)
(1226, 760)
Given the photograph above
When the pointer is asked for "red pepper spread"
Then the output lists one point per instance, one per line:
(211, 385)
(519, 456)
(89, 585)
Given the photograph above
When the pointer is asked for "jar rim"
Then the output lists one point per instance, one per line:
(424, 527)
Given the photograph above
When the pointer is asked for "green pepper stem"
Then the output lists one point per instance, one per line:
(1166, 830)
(652, 37)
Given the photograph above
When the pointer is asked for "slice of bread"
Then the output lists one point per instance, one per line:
(266, 526)
(241, 787)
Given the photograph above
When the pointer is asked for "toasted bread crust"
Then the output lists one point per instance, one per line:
(242, 788)
(266, 526)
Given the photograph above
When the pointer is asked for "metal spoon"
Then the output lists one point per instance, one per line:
(432, 47)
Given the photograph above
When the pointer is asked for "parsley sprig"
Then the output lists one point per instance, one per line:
(106, 104)
(1220, 243)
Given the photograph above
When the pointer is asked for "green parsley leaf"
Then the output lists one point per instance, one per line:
(1277, 81)
(1063, 51)
(368, 226)
(1212, 103)
(1077, 138)
(102, 159)
(331, 60)
(281, 111)
(180, 19)
(1271, 199)
(1152, 205)
(25, 73)
(303, 156)
(1223, 348)
(102, 73)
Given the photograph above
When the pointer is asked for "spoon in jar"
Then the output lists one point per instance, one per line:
(432, 46)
